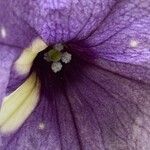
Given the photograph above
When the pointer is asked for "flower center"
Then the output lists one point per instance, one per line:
(53, 55)
(58, 66)
(57, 57)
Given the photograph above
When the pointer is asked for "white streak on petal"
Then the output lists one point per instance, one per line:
(24, 63)
(134, 43)
(17, 106)
(41, 126)
(3, 32)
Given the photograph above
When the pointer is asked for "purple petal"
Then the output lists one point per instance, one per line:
(122, 108)
(15, 35)
(138, 72)
(93, 109)
(22, 66)
(7, 56)
(124, 33)
(101, 106)
(63, 20)
(33, 135)
(14, 31)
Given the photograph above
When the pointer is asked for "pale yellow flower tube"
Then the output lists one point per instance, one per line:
(17, 106)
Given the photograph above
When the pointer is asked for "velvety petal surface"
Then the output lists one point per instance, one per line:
(137, 72)
(13, 30)
(95, 109)
(104, 105)
(124, 113)
(7, 57)
(63, 20)
(40, 131)
(15, 36)
(124, 34)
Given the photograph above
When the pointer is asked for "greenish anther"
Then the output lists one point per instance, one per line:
(54, 55)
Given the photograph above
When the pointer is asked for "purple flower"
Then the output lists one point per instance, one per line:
(75, 74)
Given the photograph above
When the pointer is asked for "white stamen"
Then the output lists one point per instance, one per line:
(57, 57)
(134, 43)
(58, 47)
(56, 67)
(3, 32)
(66, 57)
(41, 126)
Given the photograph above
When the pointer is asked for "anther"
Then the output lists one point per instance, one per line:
(56, 67)
(66, 57)
(58, 47)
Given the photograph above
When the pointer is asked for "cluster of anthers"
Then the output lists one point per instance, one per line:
(57, 57)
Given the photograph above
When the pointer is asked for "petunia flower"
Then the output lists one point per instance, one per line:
(75, 74)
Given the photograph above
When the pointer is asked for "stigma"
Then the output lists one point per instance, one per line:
(57, 57)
